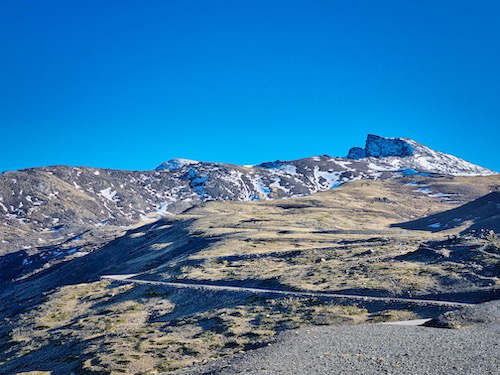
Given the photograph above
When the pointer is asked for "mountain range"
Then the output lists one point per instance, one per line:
(152, 272)
(65, 201)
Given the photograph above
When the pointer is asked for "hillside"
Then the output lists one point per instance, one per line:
(482, 214)
(342, 241)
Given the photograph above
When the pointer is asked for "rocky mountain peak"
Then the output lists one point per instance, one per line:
(404, 153)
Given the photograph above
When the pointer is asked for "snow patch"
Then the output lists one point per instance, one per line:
(413, 172)
(440, 195)
(289, 168)
(344, 164)
(163, 208)
(108, 194)
(260, 187)
(423, 190)
(332, 179)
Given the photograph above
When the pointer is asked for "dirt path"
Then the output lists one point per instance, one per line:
(354, 298)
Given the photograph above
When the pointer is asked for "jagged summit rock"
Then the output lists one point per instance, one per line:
(380, 147)
(356, 153)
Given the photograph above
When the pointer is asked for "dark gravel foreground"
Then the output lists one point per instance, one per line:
(370, 349)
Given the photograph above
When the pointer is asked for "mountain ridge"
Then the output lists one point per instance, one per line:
(74, 198)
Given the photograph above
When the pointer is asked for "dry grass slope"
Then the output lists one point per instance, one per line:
(341, 240)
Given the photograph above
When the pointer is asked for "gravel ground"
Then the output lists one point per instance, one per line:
(370, 349)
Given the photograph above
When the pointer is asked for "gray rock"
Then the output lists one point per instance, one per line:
(484, 313)
(356, 153)
(382, 147)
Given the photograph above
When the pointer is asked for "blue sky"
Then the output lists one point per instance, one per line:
(128, 84)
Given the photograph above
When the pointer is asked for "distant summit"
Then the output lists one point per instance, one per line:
(407, 154)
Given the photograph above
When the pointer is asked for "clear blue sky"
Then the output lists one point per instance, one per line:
(128, 84)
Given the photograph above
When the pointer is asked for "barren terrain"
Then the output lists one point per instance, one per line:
(349, 240)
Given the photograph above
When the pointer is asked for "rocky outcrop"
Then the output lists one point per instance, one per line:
(356, 153)
(380, 147)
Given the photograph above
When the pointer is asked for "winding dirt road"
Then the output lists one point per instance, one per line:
(355, 298)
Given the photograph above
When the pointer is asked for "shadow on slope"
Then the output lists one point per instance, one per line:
(20, 263)
(140, 249)
(483, 213)
(471, 259)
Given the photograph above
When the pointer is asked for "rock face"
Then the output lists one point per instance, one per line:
(356, 153)
(380, 147)
(66, 200)
(483, 313)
